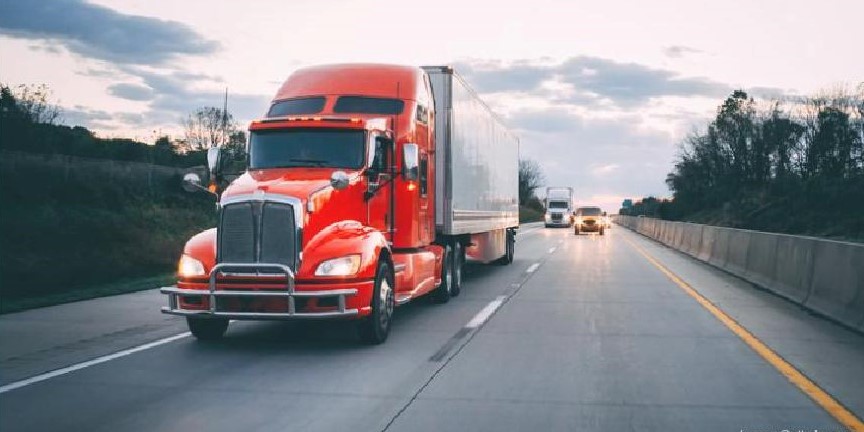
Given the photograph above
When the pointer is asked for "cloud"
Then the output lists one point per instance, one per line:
(171, 95)
(593, 80)
(604, 169)
(102, 33)
(611, 157)
(132, 92)
(678, 51)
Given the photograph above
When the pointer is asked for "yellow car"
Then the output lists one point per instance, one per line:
(589, 219)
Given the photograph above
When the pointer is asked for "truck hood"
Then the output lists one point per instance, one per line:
(295, 182)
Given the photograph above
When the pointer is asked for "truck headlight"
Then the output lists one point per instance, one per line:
(190, 267)
(548, 217)
(342, 266)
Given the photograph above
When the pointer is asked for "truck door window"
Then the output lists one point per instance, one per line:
(424, 175)
(422, 114)
(379, 160)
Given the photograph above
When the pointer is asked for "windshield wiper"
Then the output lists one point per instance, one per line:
(310, 162)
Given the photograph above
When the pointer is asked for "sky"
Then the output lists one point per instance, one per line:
(600, 93)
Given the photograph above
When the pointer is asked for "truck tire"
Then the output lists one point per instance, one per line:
(444, 291)
(458, 263)
(374, 329)
(509, 249)
(207, 329)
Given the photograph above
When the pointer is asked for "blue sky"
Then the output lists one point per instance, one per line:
(600, 93)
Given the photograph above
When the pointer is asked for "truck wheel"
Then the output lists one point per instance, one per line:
(375, 328)
(207, 329)
(458, 263)
(509, 249)
(444, 291)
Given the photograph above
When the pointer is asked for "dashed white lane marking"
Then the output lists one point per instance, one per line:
(533, 268)
(552, 250)
(88, 363)
(485, 313)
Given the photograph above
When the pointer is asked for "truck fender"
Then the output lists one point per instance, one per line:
(202, 246)
(345, 238)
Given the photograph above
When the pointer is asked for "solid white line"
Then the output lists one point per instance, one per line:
(88, 363)
(486, 312)
(552, 249)
(533, 268)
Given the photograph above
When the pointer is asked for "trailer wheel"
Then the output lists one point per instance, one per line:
(375, 328)
(458, 263)
(207, 329)
(444, 291)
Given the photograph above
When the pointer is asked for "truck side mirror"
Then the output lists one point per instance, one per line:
(192, 183)
(339, 180)
(410, 162)
(213, 162)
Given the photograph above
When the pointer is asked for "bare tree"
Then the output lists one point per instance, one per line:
(33, 101)
(530, 178)
(207, 127)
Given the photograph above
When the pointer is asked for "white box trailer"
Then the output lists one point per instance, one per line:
(477, 166)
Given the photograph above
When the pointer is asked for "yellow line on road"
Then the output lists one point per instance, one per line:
(810, 388)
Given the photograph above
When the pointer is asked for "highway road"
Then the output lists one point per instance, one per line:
(584, 333)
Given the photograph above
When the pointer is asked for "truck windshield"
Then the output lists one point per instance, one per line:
(306, 148)
(589, 211)
(558, 205)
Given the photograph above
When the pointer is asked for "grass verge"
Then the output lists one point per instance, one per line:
(104, 290)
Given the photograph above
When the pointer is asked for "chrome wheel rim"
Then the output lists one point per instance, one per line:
(385, 302)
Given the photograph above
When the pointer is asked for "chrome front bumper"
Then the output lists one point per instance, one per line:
(253, 270)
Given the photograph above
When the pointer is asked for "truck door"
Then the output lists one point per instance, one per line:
(426, 234)
(379, 177)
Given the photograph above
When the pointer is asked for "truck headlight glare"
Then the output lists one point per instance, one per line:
(343, 266)
(190, 267)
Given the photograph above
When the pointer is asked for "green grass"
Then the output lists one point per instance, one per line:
(70, 236)
(528, 214)
(103, 290)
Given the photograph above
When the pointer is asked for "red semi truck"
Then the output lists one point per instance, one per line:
(366, 186)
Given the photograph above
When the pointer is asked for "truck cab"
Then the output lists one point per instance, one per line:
(559, 207)
(335, 214)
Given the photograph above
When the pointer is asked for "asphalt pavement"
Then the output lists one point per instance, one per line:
(579, 333)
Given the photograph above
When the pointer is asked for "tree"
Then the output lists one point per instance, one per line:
(207, 127)
(29, 103)
(530, 179)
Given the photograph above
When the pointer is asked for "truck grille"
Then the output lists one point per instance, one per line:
(257, 232)
(556, 217)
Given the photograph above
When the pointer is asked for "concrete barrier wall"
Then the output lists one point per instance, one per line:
(825, 276)
(838, 275)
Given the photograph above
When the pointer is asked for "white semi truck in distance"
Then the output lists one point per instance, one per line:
(559, 207)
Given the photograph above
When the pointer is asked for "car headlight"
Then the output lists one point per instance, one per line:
(342, 266)
(190, 267)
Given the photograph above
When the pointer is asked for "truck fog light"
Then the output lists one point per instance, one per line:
(342, 266)
(190, 267)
